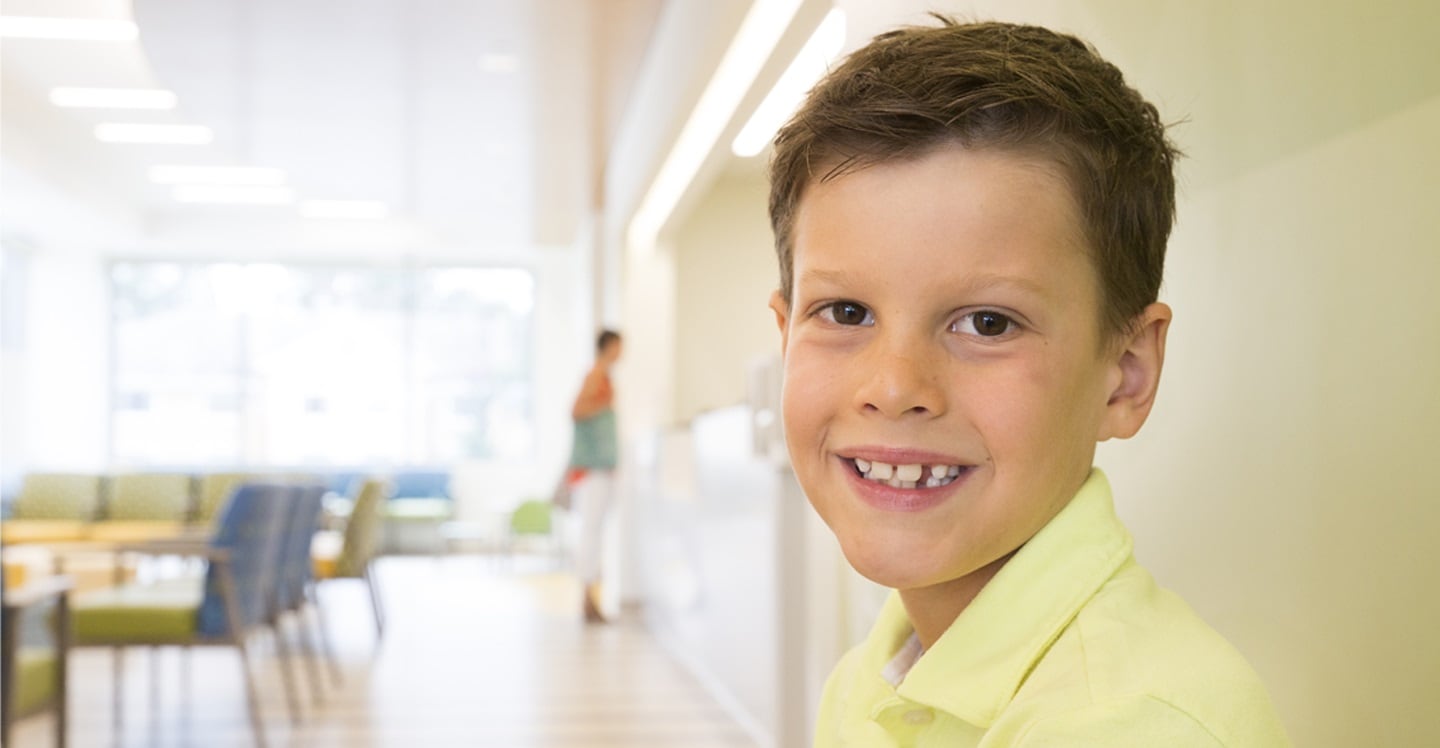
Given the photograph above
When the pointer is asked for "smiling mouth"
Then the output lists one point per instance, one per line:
(907, 476)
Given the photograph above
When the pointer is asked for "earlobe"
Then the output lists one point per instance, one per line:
(782, 318)
(1140, 359)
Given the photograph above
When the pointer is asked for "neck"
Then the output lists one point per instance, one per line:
(932, 609)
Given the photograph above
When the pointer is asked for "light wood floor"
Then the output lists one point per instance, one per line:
(473, 655)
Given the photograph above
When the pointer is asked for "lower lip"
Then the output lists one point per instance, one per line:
(887, 498)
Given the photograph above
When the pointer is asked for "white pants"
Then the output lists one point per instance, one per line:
(592, 499)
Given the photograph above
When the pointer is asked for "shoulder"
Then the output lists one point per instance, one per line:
(1135, 721)
(1138, 662)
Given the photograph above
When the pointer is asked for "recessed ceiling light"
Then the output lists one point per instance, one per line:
(113, 98)
(231, 194)
(237, 175)
(125, 132)
(499, 63)
(78, 29)
(348, 209)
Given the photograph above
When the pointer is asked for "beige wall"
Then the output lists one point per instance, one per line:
(725, 271)
(1284, 485)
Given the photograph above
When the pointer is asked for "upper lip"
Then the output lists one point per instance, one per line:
(900, 456)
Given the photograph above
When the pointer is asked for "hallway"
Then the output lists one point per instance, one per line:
(473, 655)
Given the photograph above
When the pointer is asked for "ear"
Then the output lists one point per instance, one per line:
(782, 318)
(1136, 375)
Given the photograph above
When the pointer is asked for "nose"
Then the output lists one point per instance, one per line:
(901, 381)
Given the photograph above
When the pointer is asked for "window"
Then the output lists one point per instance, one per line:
(303, 365)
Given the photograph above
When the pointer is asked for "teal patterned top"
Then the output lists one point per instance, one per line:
(596, 443)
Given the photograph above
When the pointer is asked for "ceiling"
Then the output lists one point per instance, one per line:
(480, 124)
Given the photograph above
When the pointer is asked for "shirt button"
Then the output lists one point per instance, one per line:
(918, 717)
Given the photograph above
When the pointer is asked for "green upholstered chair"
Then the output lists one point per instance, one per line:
(213, 490)
(66, 496)
(33, 668)
(140, 506)
(52, 507)
(224, 607)
(353, 556)
(533, 519)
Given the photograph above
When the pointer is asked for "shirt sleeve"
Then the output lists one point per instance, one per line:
(1131, 723)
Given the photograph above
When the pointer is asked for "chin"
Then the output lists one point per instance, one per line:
(889, 567)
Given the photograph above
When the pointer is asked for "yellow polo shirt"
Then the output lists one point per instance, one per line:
(1071, 644)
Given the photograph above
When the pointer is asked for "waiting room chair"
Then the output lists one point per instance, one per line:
(533, 519)
(144, 505)
(295, 591)
(33, 673)
(214, 490)
(224, 607)
(351, 554)
(52, 507)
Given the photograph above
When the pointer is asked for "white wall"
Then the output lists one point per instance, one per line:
(64, 377)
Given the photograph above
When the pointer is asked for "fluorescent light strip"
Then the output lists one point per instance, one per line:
(753, 43)
(344, 209)
(231, 175)
(121, 132)
(231, 194)
(811, 63)
(74, 29)
(113, 98)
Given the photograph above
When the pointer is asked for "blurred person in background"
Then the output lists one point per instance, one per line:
(594, 453)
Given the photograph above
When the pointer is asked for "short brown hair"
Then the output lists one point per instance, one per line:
(995, 86)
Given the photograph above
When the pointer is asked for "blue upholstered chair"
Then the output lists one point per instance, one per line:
(233, 598)
(295, 591)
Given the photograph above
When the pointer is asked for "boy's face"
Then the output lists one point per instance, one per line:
(944, 315)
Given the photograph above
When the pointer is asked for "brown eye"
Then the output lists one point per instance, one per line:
(985, 324)
(847, 313)
(991, 323)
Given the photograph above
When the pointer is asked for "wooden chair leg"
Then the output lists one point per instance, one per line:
(9, 647)
(62, 672)
(287, 678)
(230, 599)
(310, 653)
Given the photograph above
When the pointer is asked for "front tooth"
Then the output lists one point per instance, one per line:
(932, 482)
(880, 471)
(910, 473)
(863, 465)
(939, 471)
(896, 483)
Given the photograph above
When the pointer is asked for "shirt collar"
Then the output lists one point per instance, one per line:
(977, 665)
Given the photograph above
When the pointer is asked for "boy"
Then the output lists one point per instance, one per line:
(971, 223)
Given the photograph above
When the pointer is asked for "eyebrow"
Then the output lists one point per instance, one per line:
(983, 282)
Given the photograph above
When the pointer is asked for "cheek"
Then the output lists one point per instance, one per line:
(1028, 406)
(809, 395)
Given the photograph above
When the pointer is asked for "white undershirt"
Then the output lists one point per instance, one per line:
(899, 665)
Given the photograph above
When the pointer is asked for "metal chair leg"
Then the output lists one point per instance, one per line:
(374, 586)
(117, 695)
(324, 629)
